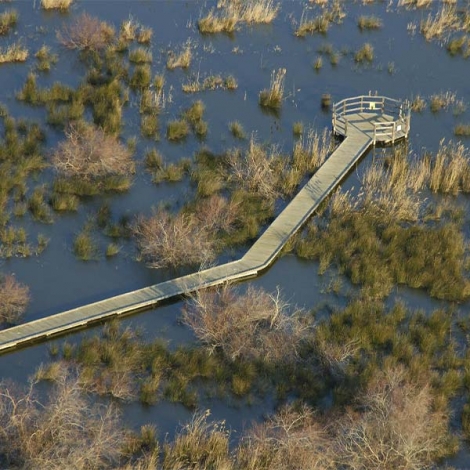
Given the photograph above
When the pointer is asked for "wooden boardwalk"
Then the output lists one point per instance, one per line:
(261, 255)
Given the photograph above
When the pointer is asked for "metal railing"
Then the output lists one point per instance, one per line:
(398, 110)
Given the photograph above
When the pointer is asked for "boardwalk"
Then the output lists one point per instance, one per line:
(360, 133)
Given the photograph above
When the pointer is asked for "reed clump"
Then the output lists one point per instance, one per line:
(232, 13)
(365, 53)
(62, 5)
(273, 96)
(15, 52)
(369, 22)
(8, 20)
(181, 59)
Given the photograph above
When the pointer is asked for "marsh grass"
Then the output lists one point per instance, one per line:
(85, 247)
(8, 20)
(149, 126)
(360, 235)
(442, 100)
(369, 22)
(319, 24)
(14, 300)
(15, 52)
(441, 24)
(462, 130)
(56, 4)
(418, 104)
(38, 206)
(140, 55)
(141, 77)
(272, 97)
(177, 130)
(45, 59)
(181, 59)
(63, 202)
(365, 53)
(236, 129)
(211, 82)
(231, 14)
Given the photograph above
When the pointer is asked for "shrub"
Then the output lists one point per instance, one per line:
(86, 33)
(14, 299)
(89, 153)
(251, 326)
(165, 240)
(66, 431)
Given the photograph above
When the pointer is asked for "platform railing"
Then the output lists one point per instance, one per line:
(398, 110)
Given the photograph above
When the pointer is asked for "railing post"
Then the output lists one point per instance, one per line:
(375, 133)
(362, 106)
(393, 132)
(344, 107)
(345, 125)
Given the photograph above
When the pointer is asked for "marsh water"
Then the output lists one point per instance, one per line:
(404, 66)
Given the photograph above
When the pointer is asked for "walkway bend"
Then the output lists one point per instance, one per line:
(260, 256)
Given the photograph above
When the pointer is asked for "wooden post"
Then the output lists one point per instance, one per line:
(393, 132)
(362, 106)
(345, 126)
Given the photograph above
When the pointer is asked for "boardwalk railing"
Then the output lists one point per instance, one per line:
(398, 114)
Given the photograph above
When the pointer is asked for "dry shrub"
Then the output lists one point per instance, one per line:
(199, 445)
(186, 238)
(396, 426)
(293, 438)
(89, 153)
(65, 432)
(86, 33)
(14, 299)
(254, 325)
(255, 171)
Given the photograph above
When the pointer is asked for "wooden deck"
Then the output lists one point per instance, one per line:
(261, 255)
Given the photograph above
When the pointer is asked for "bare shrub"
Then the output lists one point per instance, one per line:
(255, 171)
(14, 299)
(397, 427)
(293, 438)
(65, 432)
(254, 325)
(86, 33)
(187, 238)
(89, 153)
(199, 445)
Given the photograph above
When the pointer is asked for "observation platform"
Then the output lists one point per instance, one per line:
(383, 119)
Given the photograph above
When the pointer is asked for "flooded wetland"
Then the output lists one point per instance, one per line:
(145, 140)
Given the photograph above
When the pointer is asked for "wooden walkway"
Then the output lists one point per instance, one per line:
(261, 255)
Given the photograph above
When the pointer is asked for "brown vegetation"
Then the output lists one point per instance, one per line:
(65, 432)
(88, 153)
(14, 299)
(255, 325)
(186, 238)
(86, 33)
